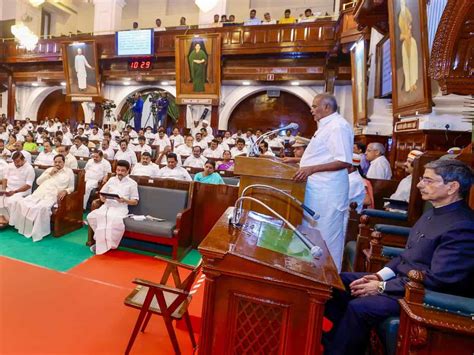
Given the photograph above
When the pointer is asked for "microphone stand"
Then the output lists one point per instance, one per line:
(253, 150)
(315, 250)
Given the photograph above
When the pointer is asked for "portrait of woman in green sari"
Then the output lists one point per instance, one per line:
(197, 60)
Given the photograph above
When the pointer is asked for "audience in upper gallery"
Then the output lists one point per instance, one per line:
(224, 18)
(158, 26)
(267, 19)
(208, 175)
(287, 18)
(379, 165)
(232, 18)
(308, 16)
(253, 19)
(135, 25)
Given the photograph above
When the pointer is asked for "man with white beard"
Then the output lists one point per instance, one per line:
(146, 167)
(96, 169)
(107, 221)
(31, 215)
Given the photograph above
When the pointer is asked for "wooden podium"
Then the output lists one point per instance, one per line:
(263, 293)
(271, 171)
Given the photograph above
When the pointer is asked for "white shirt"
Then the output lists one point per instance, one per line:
(230, 140)
(44, 158)
(18, 177)
(133, 134)
(67, 139)
(235, 152)
(5, 152)
(143, 149)
(50, 186)
(4, 137)
(178, 140)
(194, 162)
(379, 169)
(178, 173)
(128, 155)
(126, 188)
(95, 137)
(97, 171)
(184, 150)
(3, 168)
(202, 143)
(274, 143)
(109, 153)
(82, 151)
(71, 161)
(356, 190)
(161, 142)
(403, 189)
(209, 153)
(269, 153)
(27, 155)
(150, 170)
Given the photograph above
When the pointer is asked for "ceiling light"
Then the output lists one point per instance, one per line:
(24, 35)
(34, 84)
(165, 83)
(206, 5)
(295, 83)
(246, 83)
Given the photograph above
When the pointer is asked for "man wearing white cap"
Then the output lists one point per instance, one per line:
(324, 164)
(404, 187)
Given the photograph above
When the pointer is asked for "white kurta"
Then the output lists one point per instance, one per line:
(71, 161)
(379, 169)
(178, 140)
(216, 153)
(236, 152)
(80, 63)
(184, 150)
(161, 142)
(107, 221)
(31, 216)
(403, 189)
(16, 178)
(46, 159)
(327, 192)
(128, 155)
(178, 173)
(95, 172)
(356, 190)
(142, 148)
(82, 151)
(150, 170)
(194, 162)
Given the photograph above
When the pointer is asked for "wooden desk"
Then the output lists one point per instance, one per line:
(258, 300)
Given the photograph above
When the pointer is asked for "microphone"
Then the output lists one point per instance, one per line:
(254, 152)
(308, 210)
(315, 250)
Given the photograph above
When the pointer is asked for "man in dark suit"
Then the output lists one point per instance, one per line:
(440, 244)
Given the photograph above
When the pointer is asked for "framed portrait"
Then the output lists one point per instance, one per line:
(411, 87)
(359, 82)
(81, 70)
(198, 69)
(383, 69)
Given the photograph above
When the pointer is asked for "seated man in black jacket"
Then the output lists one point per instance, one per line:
(441, 245)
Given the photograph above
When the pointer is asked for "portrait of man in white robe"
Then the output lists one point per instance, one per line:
(81, 68)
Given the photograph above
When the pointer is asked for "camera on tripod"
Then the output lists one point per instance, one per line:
(108, 105)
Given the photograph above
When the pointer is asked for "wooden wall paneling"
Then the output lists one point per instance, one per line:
(287, 34)
(11, 98)
(55, 105)
(260, 37)
(258, 111)
(300, 34)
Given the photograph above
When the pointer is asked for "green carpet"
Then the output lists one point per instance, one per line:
(59, 254)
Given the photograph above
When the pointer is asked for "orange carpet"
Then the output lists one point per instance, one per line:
(80, 312)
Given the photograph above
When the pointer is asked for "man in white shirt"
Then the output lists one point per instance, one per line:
(205, 125)
(19, 148)
(109, 153)
(125, 153)
(31, 215)
(107, 221)
(324, 164)
(3, 135)
(131, 132)
(239, 148)
(221, 144)
(70, 160)
(228, 138)
(146, 167)
(379, 165)
(263, 147)
(172, 171)
(206, 136)
(114, 132)
(96, 169)
(17, 181)
(200, 142)
(185, 149)
(176, 138)
(161, 139)
(46, 157)
(253, 20)
(213, 151)
(28, 125)
(196, 160)
(404, 187)
(95, 135)
(267, 19)
(79, 149)
(288, 138)
(142, 147)
(274, 142)
(4, 152)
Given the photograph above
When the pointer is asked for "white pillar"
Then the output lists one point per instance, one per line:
(107, 15)
(208, 17)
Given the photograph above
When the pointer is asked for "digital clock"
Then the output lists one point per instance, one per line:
(140, 64)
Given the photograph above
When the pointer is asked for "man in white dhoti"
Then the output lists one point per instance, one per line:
(17, 181)
(107, 221)
(379, 165)
(80, 65)
(31, 215)
(324, 164)
(96, 169)
(146, 167)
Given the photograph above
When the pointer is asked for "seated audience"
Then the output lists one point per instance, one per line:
(274, 142)
(161, 139)
(96, 169)
(46, 157)
(71, 161)
(267, 19)
(146, 167)
(172, 170)
(11, 143)
(125, 153)
(95, 136)
(253, 20)
(228, 138)
(4, 152)
(79, 149)
(226, 163)
(3, 134)
(239, 149)
(196, 160)
(31, 215)
(213, 151)
(158, 26)
(308, 16)
(142, 147)
(200, 142)
(17, 180)
(440, 244)
(107, 221)
(224, 18)
(18, 147)
(30, 146)
(209, 176)
(206, 136)
(176, 138)
(403, 190)
(287, 18)
(357, 191)
(263, 147)
(379, 165)
(185, 149)
(288, 138)
(105, 148)
(232, 18)
(360, 148)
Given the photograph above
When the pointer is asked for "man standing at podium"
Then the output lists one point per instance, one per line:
(324, 164)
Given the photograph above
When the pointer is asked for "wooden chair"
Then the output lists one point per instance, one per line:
(169, 302)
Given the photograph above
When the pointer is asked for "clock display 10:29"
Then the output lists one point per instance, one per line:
(140, 64)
